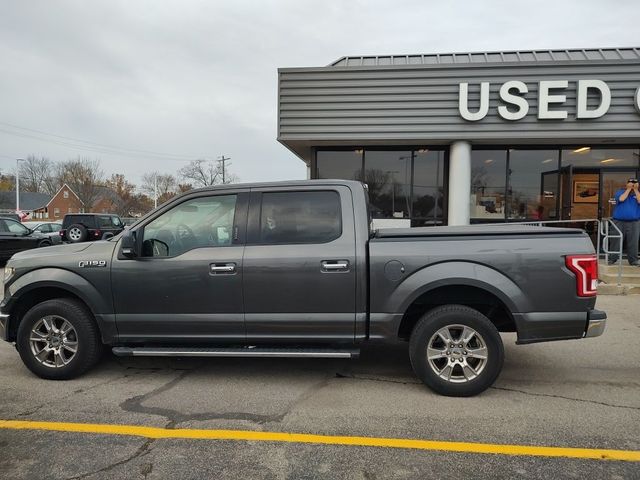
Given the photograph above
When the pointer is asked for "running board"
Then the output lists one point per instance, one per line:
(235, 352)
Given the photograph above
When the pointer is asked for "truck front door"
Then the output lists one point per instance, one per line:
(186, 284)
(299, 265)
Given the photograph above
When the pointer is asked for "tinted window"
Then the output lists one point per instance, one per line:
(388, 176)
(105, 222)
(529, 195)
(55, 227)
(428, 188)
(44, 228)
(199, 222)
(116, 222)
(343, 164)
(300, 217)
(488, 184)
(15, 227)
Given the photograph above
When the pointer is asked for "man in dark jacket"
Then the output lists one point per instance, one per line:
(626, 216)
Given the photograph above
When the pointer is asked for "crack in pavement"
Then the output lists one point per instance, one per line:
(376, 379)
(175, 417)
(583, 400)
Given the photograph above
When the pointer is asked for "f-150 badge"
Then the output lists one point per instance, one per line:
(92, 263)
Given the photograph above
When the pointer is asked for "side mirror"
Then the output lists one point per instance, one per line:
(129, 244)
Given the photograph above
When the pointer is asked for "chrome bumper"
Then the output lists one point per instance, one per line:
(596, 324)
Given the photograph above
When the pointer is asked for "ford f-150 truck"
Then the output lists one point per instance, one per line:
(294, 269)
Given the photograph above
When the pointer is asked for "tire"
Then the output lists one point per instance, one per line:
(44, 243)
(77, 233)
(42, 320)
(107, 235)
(462, 372)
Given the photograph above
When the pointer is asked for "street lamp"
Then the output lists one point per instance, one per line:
(18, 160)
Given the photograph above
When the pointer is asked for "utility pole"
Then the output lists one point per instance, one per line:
(222, 159)
(18, 160)
(155, 190)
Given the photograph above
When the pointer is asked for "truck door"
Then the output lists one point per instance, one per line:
(299, 265)
(186, 283)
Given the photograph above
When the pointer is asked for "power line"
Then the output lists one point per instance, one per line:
(88, 145)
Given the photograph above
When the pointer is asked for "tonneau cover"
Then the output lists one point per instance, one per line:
(473, 230)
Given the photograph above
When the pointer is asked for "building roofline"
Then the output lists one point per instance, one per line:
(60, 189)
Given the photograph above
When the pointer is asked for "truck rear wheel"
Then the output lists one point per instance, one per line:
(456, 351)
(58, 339)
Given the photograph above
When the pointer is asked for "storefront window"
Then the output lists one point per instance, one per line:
(488, 176)
(532, 192)
(388, 175)
(428, 188)
(341, 164)
(587, 157)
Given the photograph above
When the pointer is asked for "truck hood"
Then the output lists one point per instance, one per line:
(45, 255)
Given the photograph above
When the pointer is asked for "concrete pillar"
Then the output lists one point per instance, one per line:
(459, 183)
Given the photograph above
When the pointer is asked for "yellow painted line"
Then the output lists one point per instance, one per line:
(253, 436)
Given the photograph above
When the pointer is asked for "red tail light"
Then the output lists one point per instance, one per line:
(585, 268)
(97, 233)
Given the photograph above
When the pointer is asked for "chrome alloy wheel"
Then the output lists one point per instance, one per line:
(53, 341)
(75, 234)
(457, 353)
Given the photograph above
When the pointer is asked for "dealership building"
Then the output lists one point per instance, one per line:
(470, 137)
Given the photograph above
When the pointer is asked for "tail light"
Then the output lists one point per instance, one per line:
(585, 268)
(97, 233)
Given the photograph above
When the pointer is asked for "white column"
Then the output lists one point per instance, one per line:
(459, 183)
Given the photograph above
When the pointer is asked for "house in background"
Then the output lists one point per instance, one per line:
(106, 202)
(64, 201)
(29, 201)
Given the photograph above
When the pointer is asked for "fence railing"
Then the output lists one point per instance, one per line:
(605, 230)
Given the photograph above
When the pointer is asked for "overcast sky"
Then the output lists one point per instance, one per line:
(197, 79)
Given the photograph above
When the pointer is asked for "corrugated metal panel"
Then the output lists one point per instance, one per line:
(409, 101)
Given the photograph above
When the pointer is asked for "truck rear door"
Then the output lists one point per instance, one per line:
(299, 266)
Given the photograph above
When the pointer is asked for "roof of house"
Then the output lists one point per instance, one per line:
(28, 200)
(518, 56)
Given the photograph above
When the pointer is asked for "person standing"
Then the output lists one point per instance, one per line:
(626, 216)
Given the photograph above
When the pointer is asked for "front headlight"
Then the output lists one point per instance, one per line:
(8, 273)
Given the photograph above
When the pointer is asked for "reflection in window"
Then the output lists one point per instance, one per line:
(488, 175)
(199, 222)
(587, 157)
(428, 188)
(300, 217)
(388, 175)
(341, 164)
(529, 195)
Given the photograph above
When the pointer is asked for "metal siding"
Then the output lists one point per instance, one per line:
(412, 102)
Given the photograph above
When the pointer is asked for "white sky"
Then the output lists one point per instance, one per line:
(197, 79)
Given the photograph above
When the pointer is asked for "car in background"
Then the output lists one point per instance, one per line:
(15, 237)
(12, 216)
(83, 227)
(51, 230)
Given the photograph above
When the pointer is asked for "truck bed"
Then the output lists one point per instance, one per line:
(474, 230)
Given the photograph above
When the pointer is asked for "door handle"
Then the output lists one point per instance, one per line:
(335, 265)
(222, 268)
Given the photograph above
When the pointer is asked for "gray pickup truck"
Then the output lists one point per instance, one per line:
(293, 269)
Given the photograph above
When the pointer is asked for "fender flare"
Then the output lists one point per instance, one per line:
(458, 273)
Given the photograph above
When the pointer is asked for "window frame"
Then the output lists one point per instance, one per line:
(254, 227)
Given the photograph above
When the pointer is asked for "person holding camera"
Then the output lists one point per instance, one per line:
(626, 216)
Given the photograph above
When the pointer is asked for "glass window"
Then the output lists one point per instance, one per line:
(300, 217)
(199, 222)
(488, 180)
(529, 195)
(55, 227)
(116, 222)
(428, 188)
(340, 164)
(65, 194)
(388, 176)
(104, 222)
(43, 228)
(16, 227)
(587, 157)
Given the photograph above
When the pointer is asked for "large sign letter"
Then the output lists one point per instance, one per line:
(463, 102)
(544, 99)
(510, 98)
(637, 102)
(583, 92)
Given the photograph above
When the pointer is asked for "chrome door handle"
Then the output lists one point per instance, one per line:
(335, 265)
(220, 268)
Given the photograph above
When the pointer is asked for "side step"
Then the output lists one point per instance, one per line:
(294, 352)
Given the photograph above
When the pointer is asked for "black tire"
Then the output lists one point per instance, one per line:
(77, 233)
(450, 318)
(85, 332)
(44, 243)
(107, 235)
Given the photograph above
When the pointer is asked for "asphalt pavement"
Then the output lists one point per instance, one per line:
(582, 394)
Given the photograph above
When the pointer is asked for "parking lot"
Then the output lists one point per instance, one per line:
(581, 394)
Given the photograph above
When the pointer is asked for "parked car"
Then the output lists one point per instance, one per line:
(292, 269)
(51, 230)
(82, 227)
(15, 237)
(12, 216)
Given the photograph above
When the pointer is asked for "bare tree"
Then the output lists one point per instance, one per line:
(204, 173)
(36, 174)
(84, 176)
(165, 183)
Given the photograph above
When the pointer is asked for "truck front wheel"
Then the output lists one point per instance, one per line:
(59, 339)
(456, 351)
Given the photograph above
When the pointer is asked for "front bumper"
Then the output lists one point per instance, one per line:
(596, 323)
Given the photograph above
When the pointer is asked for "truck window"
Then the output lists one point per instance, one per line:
(300, 217)
(199, 222)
